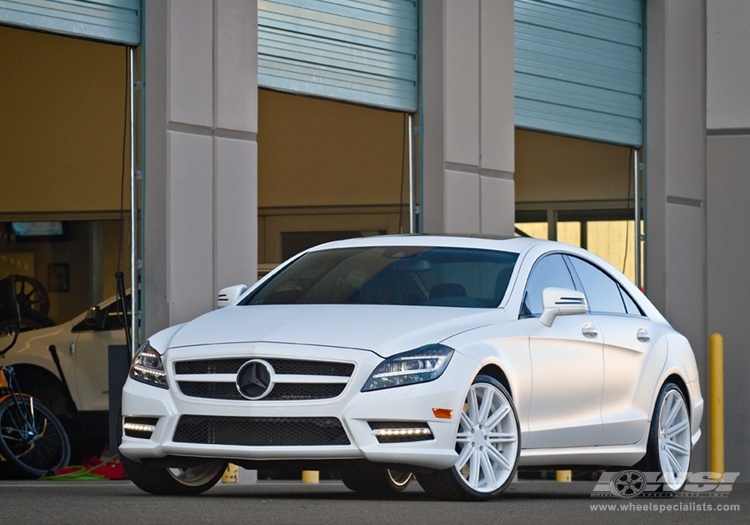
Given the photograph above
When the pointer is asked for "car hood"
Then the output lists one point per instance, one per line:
(383, 329)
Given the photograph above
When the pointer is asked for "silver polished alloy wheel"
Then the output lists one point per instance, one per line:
(674, 439)
(198, 475)
(487, 439)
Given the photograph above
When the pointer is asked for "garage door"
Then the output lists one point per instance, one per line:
(115, 21)
(361, 51)
(579, 68)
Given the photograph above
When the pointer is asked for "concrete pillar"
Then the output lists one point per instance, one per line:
(468, 123)
(676, 174)
(727, 195)
(201, 155)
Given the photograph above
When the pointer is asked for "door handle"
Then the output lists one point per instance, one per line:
(72, 348)
(643, 335)
(589, 330)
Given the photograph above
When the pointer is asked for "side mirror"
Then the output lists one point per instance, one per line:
(94, 318)
(561, 301)
(229, 295)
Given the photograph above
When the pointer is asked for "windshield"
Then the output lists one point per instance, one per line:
(403, 275)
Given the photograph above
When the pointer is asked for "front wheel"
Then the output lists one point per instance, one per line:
(164, 481)
(32, 440)
(487, 443)
(669, 445)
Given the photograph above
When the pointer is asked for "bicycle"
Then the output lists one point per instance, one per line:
(33, 442)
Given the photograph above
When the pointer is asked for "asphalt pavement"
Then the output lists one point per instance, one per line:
(329, 502)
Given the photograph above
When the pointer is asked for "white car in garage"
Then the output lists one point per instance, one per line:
(456, 359)
(66, 367)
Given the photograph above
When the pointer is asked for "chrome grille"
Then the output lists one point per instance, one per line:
(294, 379)
(280, 366)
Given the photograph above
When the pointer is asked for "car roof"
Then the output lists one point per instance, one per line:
(512, 244)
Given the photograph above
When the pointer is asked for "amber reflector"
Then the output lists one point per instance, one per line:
(443, 413)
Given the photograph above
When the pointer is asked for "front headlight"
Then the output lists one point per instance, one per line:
(416, 366)
(148, 368)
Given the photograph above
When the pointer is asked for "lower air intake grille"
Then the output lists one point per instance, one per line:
(261, 431)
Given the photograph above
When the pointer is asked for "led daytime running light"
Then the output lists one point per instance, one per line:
(138, 427)
(152, 371)
(403, 432)
(436, 366)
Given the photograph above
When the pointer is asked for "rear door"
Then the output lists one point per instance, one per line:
(635, 350)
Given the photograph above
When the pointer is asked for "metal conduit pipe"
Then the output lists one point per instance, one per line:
(133, 213)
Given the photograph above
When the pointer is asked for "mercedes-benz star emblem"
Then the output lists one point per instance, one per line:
(254, 379)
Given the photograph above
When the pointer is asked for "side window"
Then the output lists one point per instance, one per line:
(630, 305)
(602, 292)
(550, 271)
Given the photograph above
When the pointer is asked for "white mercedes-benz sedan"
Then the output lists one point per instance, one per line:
(456, 359)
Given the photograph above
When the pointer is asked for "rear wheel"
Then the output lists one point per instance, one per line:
(669, 444)
(372, 479)
(32, 440)
(487, 443)
(174, 481)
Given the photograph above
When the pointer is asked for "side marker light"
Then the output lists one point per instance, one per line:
(443, 413)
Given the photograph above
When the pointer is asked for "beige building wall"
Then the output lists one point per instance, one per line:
(329, 169)
(62, 127)
(316, 152)
(63, 124)
(552, 168)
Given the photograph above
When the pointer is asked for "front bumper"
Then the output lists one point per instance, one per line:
(354, 409)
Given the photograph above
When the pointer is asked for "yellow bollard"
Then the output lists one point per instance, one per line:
(310, 476)
(564, 476)
(716, 405)
(231, 474)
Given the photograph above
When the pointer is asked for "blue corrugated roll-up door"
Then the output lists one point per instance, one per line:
(361, 51)
(579, 68)
(114, 21)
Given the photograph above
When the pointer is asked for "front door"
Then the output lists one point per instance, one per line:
(566, 366)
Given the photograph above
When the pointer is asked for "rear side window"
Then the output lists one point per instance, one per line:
(551, 271)
(630, 305)
(602, 292)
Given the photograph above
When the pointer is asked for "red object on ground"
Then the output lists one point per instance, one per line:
(111, 470)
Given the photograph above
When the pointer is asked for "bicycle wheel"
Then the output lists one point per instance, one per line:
(32, 440)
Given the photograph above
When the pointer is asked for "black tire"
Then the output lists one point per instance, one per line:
(163, 481)
(33, 445)
(652, 461)
(371, 479)
(452, 484)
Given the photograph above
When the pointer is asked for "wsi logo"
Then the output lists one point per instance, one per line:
(634, 483)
